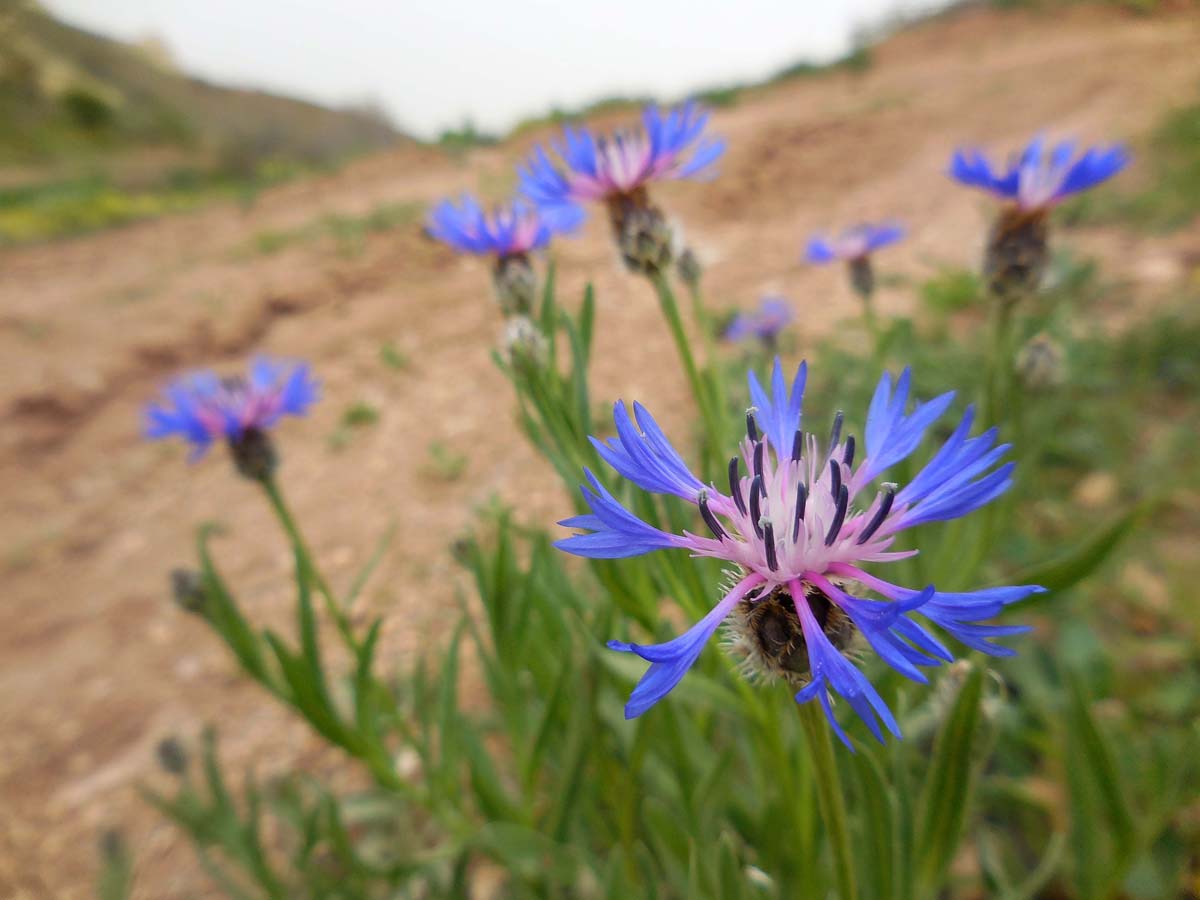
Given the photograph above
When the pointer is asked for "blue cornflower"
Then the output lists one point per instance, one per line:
(202, 407)
(797, 526)
(1041, 176)
(512, 230)
(669, 145)
(772, 316)
(853, 243)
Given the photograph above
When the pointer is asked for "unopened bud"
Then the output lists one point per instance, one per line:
(646, 242)
(689, 268)
(524, 343)
(1017, 250)
(516, 284)
(254, 454)
(1040, 363)
(643, 237)
(187, 589)
(862, 275)
(172, 756)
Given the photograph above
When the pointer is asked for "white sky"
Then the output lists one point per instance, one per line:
(434, 63)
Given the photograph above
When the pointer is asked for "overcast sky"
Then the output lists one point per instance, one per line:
(435, 63)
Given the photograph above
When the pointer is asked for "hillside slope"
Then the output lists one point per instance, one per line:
(61, 86)
(97, 666)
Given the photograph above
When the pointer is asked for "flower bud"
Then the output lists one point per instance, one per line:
(862, 275)
(254, 454)
(689, 268)
(172, 756)
(524, 344)
(643, 237)
(1040, 363)
(187, 589)
(1017, 250)
(515, 283)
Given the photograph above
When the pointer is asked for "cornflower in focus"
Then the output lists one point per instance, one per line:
(203, 407)
(801, 518)
(509, 234)
(854, 247)
(765, 323)
(617, 170)
(1039, 179)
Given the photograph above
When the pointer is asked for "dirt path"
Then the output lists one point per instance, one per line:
(96, 665)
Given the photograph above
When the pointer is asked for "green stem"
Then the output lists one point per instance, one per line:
(703, 322)
(830, 797)
(670, 309)
(307, 566)
(716, 384)
(871, 321)
(997, 395)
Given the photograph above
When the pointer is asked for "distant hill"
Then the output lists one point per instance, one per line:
(63, 89)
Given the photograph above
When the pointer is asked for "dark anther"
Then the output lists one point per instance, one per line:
(756, 489)
(797, 444)
(759, 449)
(836, 434)
(839, 516)
(751, 427)
(709, 519)
(769, 540)
(801, 502)
(735, 485)
(885, 507)
(835, 476)
(848, 456)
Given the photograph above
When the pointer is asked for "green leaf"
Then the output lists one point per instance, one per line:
(116, 869)
(1103, 828)
(221, 611)
(946, 797)
(364, 574)
(546, 314)
(1076, 564)
(587, 320)
(878, 825)
(525, 853)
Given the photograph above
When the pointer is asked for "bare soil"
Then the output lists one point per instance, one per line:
(97, 665)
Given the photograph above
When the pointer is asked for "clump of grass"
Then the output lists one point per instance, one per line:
(393, 357)
(1172, 198)
(951, 290)
(360, 414)
(348, 233)
(271, 241)
(445, 464)
(464, 138)
(354, 417)
(721, 96)
(62, 207)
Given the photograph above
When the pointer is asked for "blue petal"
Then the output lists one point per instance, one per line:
(832, 671)
(647, 459)
(779, 414)
(670, 661)
(878, 622)
(891, 436)
(958, 614)
(819, 251)
(1092, 168)
(881, 235)
(620, 533)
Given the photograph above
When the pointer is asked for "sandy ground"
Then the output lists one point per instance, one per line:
(97, 665)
